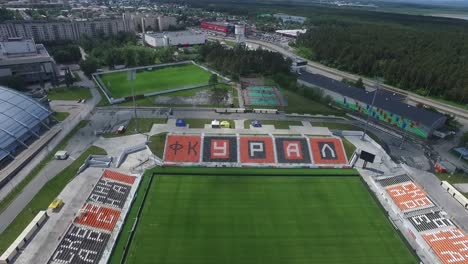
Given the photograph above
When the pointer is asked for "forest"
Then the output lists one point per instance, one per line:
(422, 54)
(428, 61)
(242, 61)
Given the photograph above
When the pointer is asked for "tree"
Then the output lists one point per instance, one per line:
(360, 84)
(89, 66)
(68, 78)
(15, 82)
(464, 139)
(213, 80)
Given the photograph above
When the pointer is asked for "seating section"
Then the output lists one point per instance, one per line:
(98, 217)
(110, 193)
(300, 151)
(429, 221)
(87, 237)
(451, 246)
(394, 180)
(120, 177)
(408, 196)
(80, 245)
(443, 237)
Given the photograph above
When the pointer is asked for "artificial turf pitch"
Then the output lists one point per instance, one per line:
(155, 80)
(261, 219)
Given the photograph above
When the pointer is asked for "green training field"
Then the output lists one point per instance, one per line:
(158, 79)
(263, 219)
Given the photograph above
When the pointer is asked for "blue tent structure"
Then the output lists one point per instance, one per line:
(256, 123)
(180, 123)
(462, 152)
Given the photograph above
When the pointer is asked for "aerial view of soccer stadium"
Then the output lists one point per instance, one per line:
(224, 132)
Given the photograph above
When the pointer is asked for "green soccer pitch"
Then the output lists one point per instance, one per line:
(158, 79)
(263, 219)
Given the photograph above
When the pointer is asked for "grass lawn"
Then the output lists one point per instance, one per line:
(60, 116)
(349, 147)
(19, 187)
(144, 126)
(279, 124)
(301, 105)
(453, 179)
(155, 80)
(156, 144)
(70, 93)
(280, 219)
(43, 198)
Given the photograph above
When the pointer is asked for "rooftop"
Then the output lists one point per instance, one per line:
(385, 100)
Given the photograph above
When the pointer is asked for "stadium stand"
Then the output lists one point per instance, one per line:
(451, 246)
(429, 221)
(248, 150)
(394, 180)
(119, 177)
(87, 237)
(408, 196)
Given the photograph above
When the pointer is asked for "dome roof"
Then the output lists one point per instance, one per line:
(19, 113)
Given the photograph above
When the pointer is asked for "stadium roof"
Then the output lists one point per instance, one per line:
(18, 115)
(384, 100)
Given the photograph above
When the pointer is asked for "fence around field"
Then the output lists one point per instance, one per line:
(97, 79)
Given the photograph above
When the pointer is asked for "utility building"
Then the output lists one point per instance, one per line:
(175, 38)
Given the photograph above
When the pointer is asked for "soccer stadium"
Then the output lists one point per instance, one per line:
(262, 216)
(153, 80)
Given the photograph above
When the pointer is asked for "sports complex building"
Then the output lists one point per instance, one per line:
(388, 108)
(22, 120)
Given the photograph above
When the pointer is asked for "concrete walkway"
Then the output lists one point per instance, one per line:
(264, 130)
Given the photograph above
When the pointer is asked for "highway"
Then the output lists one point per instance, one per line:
(315, 67)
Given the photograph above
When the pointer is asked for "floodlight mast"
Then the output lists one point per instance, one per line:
(371, 108)
(132, 77)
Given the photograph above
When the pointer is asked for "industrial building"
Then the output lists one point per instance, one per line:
(388, 108)
(293, 33)
(25, 58)
(22, 120)
(289, 18)
(216, 26)
(175, 38)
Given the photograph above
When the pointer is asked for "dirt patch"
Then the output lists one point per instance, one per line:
(204, 97)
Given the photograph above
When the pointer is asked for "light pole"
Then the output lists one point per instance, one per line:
(371, 109)
(131, 78)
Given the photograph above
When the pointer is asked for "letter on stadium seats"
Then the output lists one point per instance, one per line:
(86, 255)
(220, 150)
(255, 147)
(293, 148)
